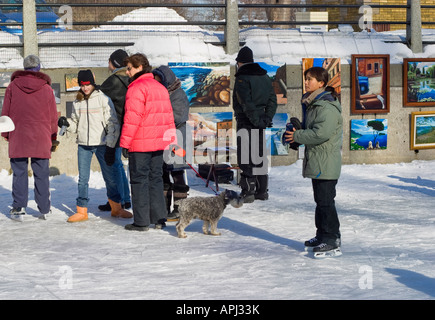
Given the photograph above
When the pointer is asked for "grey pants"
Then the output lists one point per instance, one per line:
(20, 183)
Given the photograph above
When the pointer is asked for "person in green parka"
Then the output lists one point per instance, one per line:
(322, 135)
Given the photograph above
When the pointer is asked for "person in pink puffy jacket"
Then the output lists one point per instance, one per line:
(147, 131)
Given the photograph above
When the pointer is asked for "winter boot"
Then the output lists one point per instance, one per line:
(105, 207)
(261, 192)
(248, 185)
(81, 215)
(118, 212)
(180, 193)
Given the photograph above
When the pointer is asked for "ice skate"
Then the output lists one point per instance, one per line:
(325, 250)
(310, 244)
(17, 214)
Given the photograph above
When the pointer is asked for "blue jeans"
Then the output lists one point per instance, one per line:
(84, 156)
(121, 178)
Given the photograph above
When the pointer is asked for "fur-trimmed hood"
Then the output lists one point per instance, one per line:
(30, 81)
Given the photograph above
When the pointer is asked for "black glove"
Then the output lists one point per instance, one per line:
(109, 156)
(297, 125)
(265, 122)
(62, 122)
(125, 153)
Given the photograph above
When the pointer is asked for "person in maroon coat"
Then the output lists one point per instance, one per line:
(29, 101)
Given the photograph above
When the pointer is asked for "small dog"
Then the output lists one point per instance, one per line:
(208, 209)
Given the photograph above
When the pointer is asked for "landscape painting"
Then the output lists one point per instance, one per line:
(422, 130)
(368, 134)
(278, 75)
(205, 83)
(419, 82)
(274, 135)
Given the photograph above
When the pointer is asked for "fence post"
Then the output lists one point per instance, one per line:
(232, 27)
(413, 31)
(30, 38)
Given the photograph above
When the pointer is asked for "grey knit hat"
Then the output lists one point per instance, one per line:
(32, 62)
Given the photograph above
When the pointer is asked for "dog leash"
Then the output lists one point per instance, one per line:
(181, 153)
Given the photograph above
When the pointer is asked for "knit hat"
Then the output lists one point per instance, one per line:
(86, 77)
(245, 55)
(32, 63)
(117, 58)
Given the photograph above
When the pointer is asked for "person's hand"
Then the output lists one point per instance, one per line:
(62, 122)
(265, 122)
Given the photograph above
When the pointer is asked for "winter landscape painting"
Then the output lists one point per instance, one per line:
(205, 83)
(423, 130)
(419, 82)
(274, 135)
(368, 134)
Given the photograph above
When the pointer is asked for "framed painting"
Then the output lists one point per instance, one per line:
(368, 134)
(332, 65)
(71, 82)
(419, 82)
(422, 130)
(370, 83)
(205, 83)
(274, 135)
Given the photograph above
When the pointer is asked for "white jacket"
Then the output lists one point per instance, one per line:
(94, 120)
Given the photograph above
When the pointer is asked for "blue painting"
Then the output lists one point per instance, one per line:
(368, 134)
(274, 135)
(205, 83)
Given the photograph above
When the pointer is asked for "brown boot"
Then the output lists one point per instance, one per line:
(81, 215)
(118, 212)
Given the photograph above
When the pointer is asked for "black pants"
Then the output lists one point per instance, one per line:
(146, 182)
(326, 218)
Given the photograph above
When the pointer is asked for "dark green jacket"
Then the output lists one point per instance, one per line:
(323, 138)
(253, 95)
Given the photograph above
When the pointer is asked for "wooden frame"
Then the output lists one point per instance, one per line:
(422, 130)
(419, 82)
(370, 83)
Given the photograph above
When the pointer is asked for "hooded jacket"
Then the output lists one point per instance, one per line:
(253, 95)
(29, 101)
(94, 120)
(322, 137)
(148, 120)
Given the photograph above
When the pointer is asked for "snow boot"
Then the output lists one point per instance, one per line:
(17, 214)
(261, 192)
(180, 193)
(167, 193)
(105, 207)
(81, 215)
(135, 227)
(118, 212)
(248, 188)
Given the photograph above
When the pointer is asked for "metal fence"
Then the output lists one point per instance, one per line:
(88, 31)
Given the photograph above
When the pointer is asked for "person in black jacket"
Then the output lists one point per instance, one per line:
(254, 104)
(115, 87)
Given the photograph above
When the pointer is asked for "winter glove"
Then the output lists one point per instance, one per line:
(297, 125)
(265, 122)
(109, 156)
(54, 145)
(125, 153)
(62, 122)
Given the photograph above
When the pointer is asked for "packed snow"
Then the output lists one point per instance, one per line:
(387, 226)
(386, 214)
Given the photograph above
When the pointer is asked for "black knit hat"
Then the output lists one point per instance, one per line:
(245, 55)
(117, 58)
(86, 77)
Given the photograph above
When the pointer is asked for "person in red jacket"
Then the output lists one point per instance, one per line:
(147, 131)
(29, 101)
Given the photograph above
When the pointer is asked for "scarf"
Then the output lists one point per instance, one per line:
(310, 98)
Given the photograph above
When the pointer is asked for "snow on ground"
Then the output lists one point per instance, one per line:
(387, 225)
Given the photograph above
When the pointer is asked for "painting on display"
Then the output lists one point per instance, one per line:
(370, 83)
(274, 135)
(205, 83)
(419, 82)
(212, 133)
(71, 82)
(368, 134)
(331, 65)
(277, 73)
(422, 130)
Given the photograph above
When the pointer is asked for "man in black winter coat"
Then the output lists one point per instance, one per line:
(115, 87)
(254, 104)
